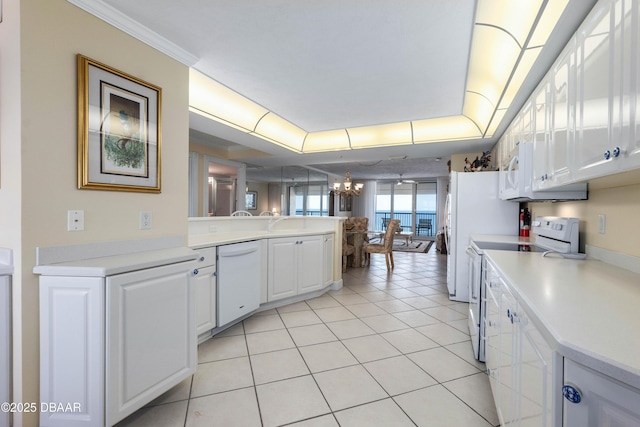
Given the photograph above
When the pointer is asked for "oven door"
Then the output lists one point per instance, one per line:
(475, 280)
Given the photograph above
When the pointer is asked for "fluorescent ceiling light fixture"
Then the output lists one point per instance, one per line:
(276, 128)
(507, 39)
(332, 140)
(443, 129)
(381, 135)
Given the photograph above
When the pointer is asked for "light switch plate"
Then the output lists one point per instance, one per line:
(75, 220)
(602, 224)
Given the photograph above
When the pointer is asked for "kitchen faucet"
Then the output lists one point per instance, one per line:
(273, 222)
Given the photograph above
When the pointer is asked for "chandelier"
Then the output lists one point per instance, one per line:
(349, 188)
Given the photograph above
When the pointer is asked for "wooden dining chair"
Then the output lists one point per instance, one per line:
(241, 213)
(347, 249)
(386, 247)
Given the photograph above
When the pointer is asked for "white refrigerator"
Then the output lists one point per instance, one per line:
(473, 207)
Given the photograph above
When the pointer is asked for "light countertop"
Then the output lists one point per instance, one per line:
(587, 309)
(117, 264)
(497, 238)
(197, 241)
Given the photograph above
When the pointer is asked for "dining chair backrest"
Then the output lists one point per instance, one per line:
(266, 213)
(241, 213)
(393, 226)
(358, 223)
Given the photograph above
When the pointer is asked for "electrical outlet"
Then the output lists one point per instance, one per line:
(601, 224)
(145, 220)
(75, 220)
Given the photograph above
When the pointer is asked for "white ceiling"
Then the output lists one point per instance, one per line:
(333, 64)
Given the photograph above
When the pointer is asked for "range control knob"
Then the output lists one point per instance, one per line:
(571, 393)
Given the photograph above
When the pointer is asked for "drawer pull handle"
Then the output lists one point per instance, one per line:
(195, 272)
(571, 393)
(201, 258)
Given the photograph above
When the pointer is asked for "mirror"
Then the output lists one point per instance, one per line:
(283, 190)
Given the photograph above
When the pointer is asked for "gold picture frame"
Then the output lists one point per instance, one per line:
(119, 130)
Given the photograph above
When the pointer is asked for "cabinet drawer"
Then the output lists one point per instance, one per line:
(207, 257)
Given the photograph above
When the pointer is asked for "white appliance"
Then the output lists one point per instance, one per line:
(516, 180)
(473, 206)
(238, 280)
(553, 234)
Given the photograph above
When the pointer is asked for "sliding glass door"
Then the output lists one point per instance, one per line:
(414, 204)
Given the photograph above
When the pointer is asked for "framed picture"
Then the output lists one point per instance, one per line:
(119, 130)
(345, 203)
(252, 200)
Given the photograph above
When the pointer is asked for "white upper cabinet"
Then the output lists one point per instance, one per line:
(563, 116)
(542, 135)
(587, 108)
(594, 93)
(608, 90)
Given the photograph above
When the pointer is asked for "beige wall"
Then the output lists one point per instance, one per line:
(39, 161)
(618, 201)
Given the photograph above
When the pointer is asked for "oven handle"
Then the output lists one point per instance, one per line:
(471, 252)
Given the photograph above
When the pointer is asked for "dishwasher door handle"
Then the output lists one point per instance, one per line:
(237, 253)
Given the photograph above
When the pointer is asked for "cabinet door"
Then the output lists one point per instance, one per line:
(603, 400)
(507, 394)
(492, 334)
(328, 260)
(594, 94)
(542, 135)
(151, 336)
(5, 345)
(310, 264)
(535, 376)
(282, 275)
(634, 149)
(563, 117)
(205, 283)
(72, 348)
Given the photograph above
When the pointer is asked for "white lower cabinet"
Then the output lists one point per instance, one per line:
(109, 345)
(5, 346)
(592, 399)
(204, 280)
(519, 361)
(295, 266)
(328, 260)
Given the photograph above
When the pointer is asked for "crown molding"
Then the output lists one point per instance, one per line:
(110, 15)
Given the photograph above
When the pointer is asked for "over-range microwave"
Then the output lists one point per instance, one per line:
(516, 180)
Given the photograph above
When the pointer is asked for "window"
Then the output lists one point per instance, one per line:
(414, 204)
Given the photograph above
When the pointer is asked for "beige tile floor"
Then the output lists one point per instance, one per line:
(385, 350)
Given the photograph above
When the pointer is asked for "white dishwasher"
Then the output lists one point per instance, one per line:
(238, 274)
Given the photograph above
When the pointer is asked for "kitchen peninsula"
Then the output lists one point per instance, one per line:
(298, 258)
